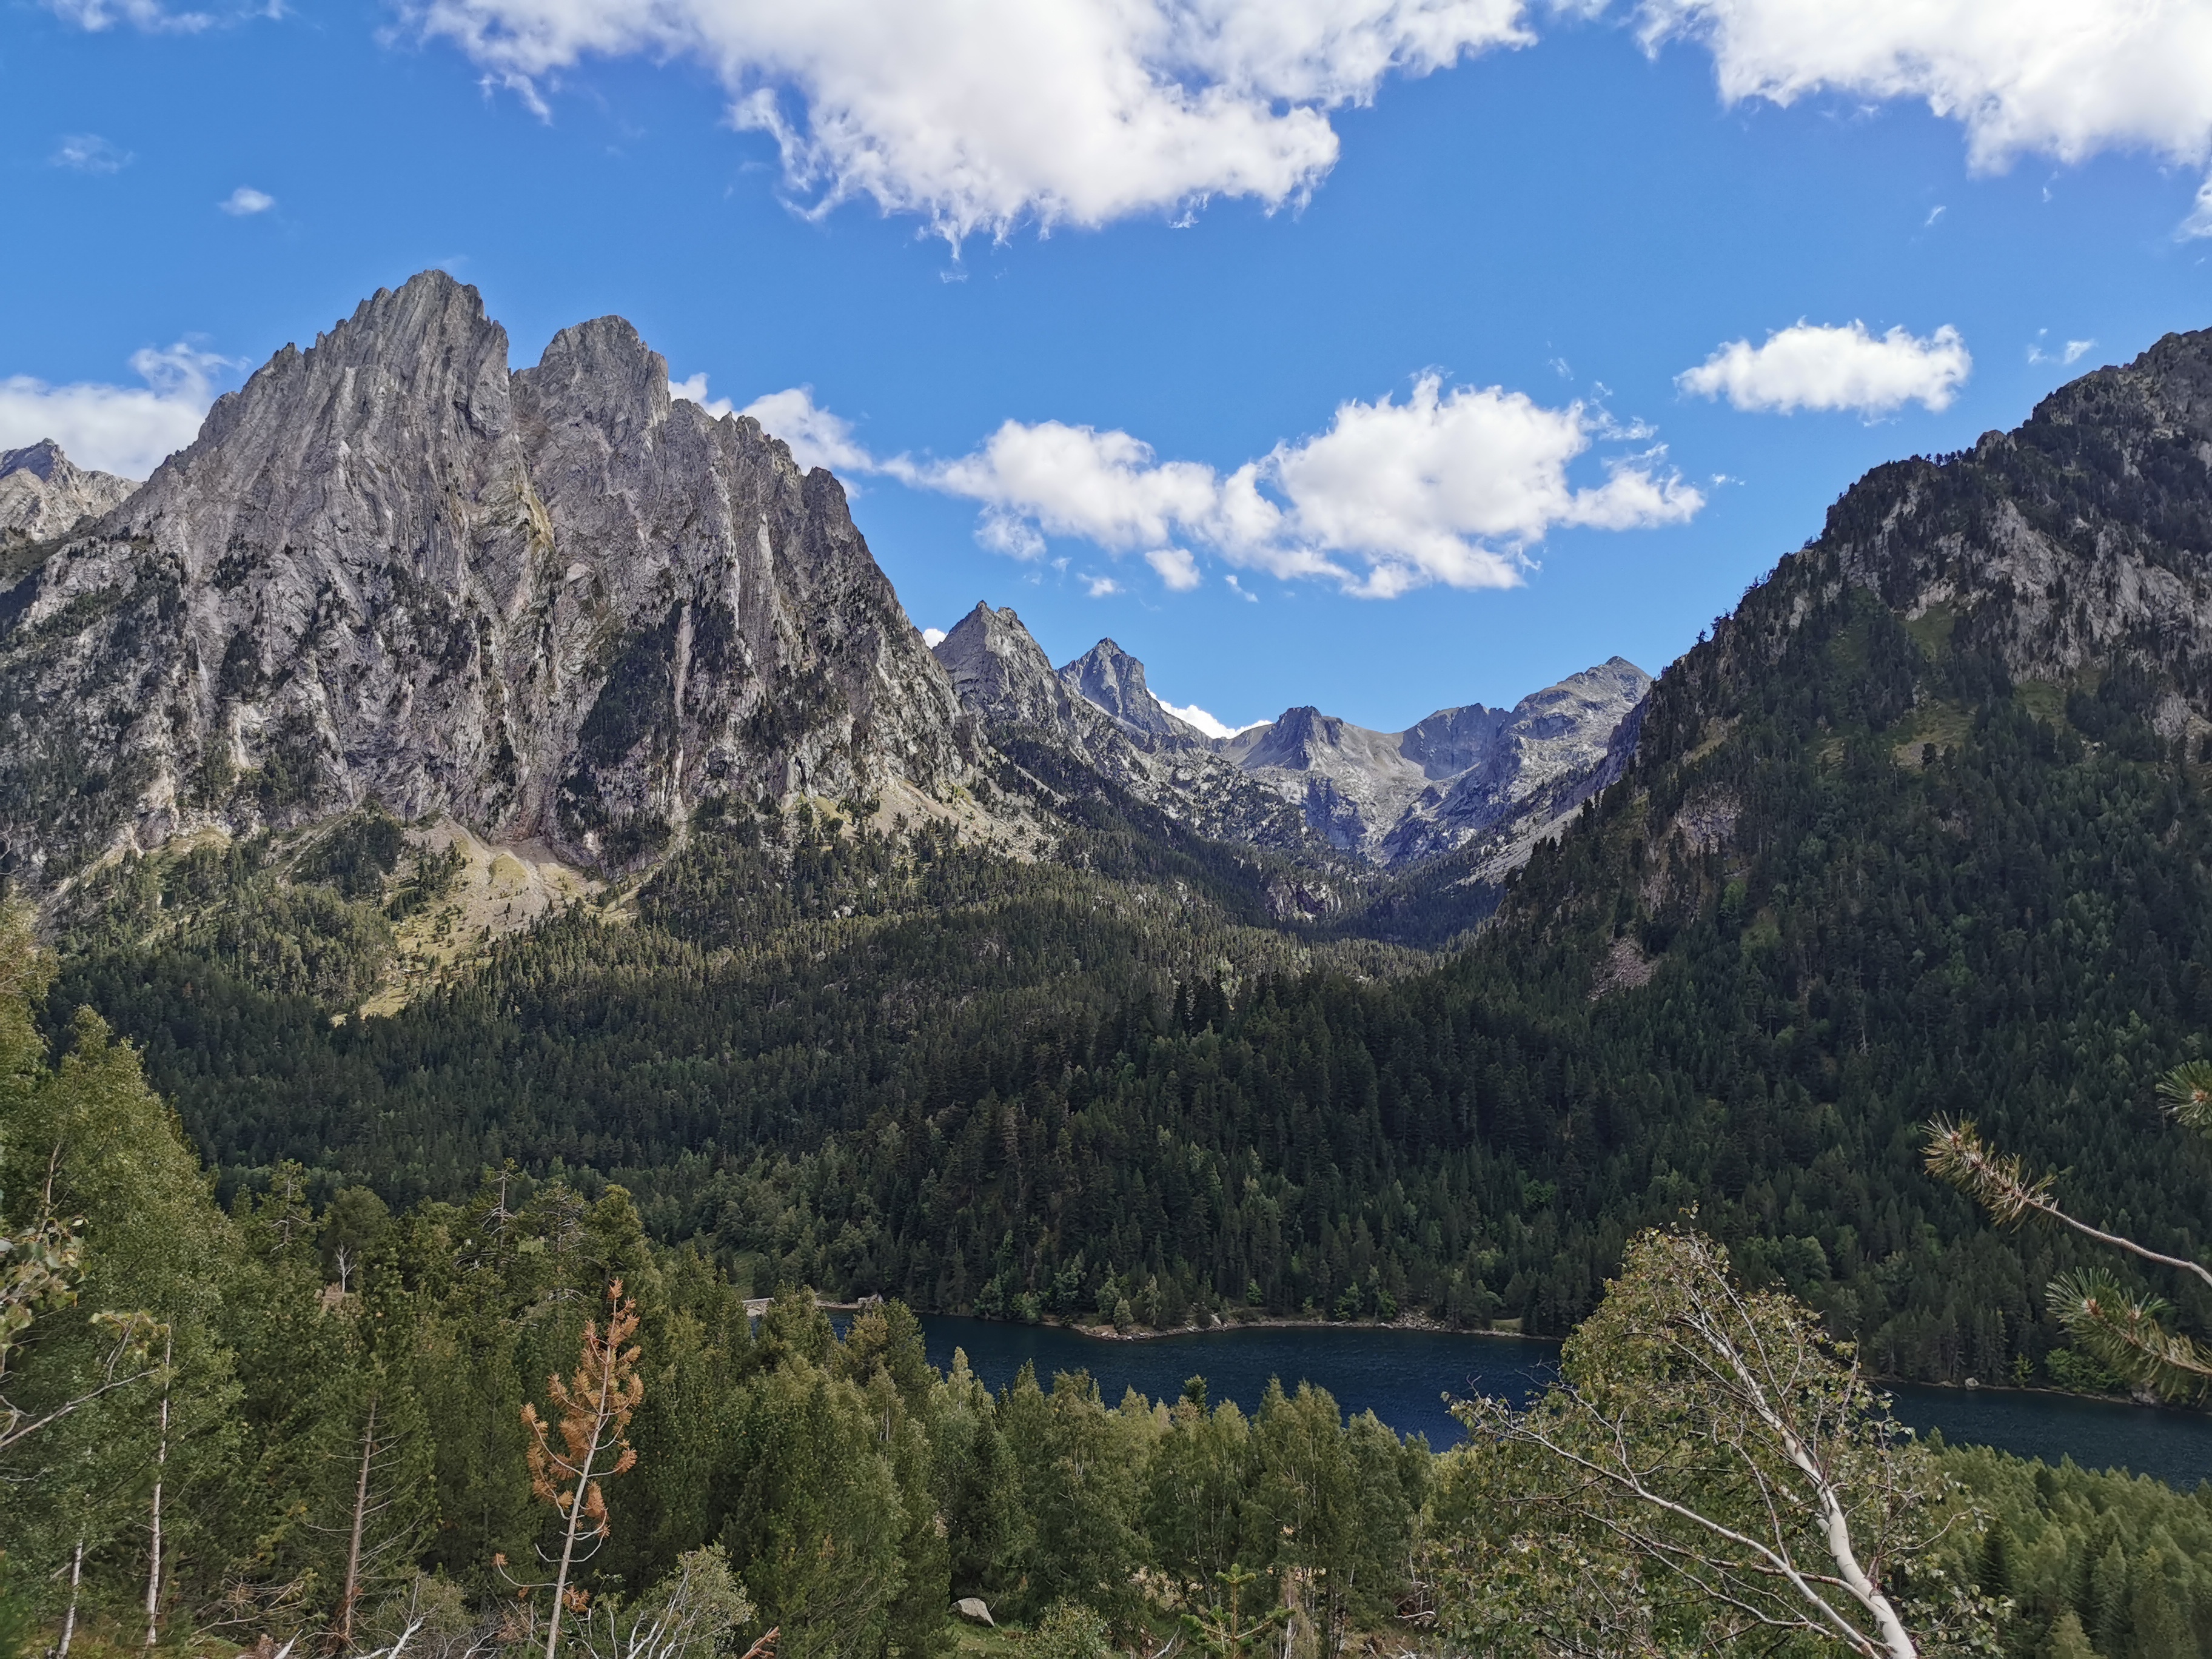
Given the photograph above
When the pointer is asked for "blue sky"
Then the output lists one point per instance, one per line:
(1396, 310)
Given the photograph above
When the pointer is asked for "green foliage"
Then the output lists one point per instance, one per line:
(1711, 1470)
(1069, 1631)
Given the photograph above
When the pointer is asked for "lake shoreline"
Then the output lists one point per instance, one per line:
(1270, 1323)
(1438, 1327)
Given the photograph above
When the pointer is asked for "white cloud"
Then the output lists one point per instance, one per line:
(816, 437)
(88, 152)
(246, 201)
(1102, 587)
(1449, 487)
(1241, 590)
(693, 390)
(933, 637)
(2199, 221)
(1812, 366)
(150, 15)
(979, 113)
(1176, 568)
(111, 428)
(2066, 78)
(1207, 723)
(2072, 352)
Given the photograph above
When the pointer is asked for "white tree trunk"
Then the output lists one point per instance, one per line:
(68, 1618)
(160, 1469)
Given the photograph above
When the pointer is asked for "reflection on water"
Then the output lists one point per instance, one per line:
(1403, 1375)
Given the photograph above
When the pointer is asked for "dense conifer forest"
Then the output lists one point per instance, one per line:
(314, 1420)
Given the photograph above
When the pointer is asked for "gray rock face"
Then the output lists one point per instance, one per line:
(2078, 538)
(43, 494)
(1111, 679)
(554, 603)
(1393, 797)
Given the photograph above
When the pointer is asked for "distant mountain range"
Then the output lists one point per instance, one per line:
(1496, 775)
(566, 608)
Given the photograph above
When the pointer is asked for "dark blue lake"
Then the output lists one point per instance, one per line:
(1402, 1375)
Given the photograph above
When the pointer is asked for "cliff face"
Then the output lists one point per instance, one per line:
(44, 493)
(556, 604)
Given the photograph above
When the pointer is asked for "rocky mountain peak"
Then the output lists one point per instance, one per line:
(40, 460)
(1111, 679)
(44, 493)
(552, 603)
(999, 669)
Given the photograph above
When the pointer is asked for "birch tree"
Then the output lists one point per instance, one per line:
(1711, 1470)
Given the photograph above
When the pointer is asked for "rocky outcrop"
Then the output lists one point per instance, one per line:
(556, 604)
(43, 494)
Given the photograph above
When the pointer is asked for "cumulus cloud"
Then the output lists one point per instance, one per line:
(1177, 570)
(1447, 487)
(933, 637)
(88, 152)
(1207, 723)
(112, 428)
(979, 113)
(2066, 78)
(1102, 587)
(1814, 366)
(816, 437)
(246, 201)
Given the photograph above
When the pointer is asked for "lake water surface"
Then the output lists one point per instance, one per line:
(1402, 1375)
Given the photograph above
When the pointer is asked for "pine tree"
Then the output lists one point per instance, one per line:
(595, 1407)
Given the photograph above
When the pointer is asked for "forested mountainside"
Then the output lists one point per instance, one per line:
(1921, 828)
(303, 1423)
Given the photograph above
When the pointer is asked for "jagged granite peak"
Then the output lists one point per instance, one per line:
(44, 493)
(1111, 679)
(1393, 797)
(553, 602)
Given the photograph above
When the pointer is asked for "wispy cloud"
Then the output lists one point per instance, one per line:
(246, 201)
(150, 15)
(88, 152)
(1817, 366)
(2072, 352)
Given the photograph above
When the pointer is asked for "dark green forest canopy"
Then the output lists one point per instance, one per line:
(1855, 876)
